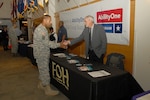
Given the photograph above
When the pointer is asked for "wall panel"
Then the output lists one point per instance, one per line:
(79, 48)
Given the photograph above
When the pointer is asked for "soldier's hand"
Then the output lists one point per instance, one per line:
(62, 45)
(66, 42)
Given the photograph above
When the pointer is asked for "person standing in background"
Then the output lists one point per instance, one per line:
(62, 32)
(13, 33)
(5, 38)
(62, 35)
(95, 40)
(53, 36)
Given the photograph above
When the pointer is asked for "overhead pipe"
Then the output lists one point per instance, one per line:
(67, 4)
(76, 3)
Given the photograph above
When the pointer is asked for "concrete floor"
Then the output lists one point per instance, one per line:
(19, 78)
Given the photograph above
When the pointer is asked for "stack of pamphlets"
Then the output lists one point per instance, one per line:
(99, 73)
(85, 68)
(61, 55)
(72, 55)
(72, 61)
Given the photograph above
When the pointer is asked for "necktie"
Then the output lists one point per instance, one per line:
(90, 46)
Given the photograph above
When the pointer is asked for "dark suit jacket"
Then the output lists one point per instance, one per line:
(99, 40)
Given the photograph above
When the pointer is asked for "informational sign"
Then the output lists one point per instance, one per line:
(111, 20)
(115, 18)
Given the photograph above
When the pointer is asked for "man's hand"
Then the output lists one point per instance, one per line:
(66, 42)
(62, 45)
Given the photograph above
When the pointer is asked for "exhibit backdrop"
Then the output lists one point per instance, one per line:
(115, 17)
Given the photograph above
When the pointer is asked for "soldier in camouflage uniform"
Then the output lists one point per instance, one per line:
(41, 51)
(13, 33)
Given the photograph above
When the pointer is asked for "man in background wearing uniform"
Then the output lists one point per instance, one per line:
(41, 51)
(14, 32)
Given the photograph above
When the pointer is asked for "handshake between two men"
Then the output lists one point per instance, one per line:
(64, 44)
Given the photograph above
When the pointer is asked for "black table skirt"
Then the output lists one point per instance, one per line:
(78, 85)
(120, 85)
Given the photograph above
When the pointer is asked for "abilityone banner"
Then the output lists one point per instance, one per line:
(114, 15)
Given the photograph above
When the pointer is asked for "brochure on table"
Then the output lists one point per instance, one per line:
(99, 73)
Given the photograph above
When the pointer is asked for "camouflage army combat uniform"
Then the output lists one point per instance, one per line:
(13, 33)
(41, 52)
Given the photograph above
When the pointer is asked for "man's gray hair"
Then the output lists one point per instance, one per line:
(90, 18)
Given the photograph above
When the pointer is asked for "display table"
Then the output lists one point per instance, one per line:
(22, 48)
(79, 85)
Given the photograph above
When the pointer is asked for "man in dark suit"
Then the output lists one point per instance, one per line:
(95, 40)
